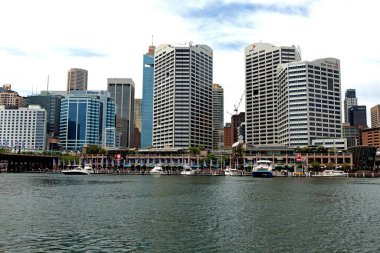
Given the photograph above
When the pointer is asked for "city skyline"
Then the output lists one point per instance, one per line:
(40, 44)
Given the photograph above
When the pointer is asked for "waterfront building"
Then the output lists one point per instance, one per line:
(357, 116)
(87, 118)
(9, 98)
(261, 61)
(77, 79)
(23, 128)
(147, 99)
(228, 135)
(371, 137)
(331, 143)
(217, 116)
(122, 90)
(352, 134)
(309, 104)
(182, 96)
(350, 100)
(375, 116)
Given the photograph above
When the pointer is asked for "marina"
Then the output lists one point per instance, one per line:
(104, 213)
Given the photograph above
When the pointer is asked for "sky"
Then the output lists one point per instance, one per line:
(42, 38)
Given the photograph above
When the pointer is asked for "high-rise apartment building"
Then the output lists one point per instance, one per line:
(77, 79)
(261, 61)
(122, 90)
(137, 128)
(350, 100)
(23, 128)
(217, 115)
(182, 115)
(9, 98)
(228, 135)
(357, 116)
(147, 99)
(375, 116)
(309, 104)
(87, 118)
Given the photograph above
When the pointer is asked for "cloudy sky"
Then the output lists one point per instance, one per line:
(108, 38)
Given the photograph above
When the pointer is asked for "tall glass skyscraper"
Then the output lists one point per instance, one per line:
(350, 100)
(87, 117)
(147, 99)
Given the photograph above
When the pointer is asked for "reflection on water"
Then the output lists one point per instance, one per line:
(106, 213)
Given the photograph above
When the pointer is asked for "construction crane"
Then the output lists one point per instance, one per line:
(236, 107)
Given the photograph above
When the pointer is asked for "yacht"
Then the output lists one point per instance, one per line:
(231, 172)
(334, 173)
(75, 171)
(188, 171)
(263, 168)
(157, 170)
(89, 168)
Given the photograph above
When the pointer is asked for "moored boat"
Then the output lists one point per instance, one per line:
(157, 170)
(263, 168)
(334, 173)
(75, 171)
(188, 171)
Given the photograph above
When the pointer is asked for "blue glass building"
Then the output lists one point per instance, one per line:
(87, 117)
(147, 99)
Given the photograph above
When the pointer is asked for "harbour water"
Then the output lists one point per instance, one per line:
(110, 213)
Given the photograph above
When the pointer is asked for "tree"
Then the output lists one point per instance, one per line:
(315, 165)
(195, 150)
(94, 149)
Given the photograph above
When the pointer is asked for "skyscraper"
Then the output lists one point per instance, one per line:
(183, 96)
(147, 99)
(122, 90)
(217, 115)
(350, 100)
(357, 116)
(261, 61)
(77, 79)
(87, 118)
(375, 116)
(309, 101)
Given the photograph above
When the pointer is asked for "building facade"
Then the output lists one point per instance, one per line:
(182, 110)
(9, 98)
(352, 134)
(309, 104)
(236, 121)
(23, 128)
(350, 100)
(371, 137)
(228, 135)
(122, 90)
(87, 118)
(357, 116)
(147, 99)
(217, 115)
(77, 79)
(375, 116)
(261, 61)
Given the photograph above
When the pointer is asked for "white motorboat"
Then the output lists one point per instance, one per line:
(89, 168)
(75, 171)
(188, 171)
(263, 168)
(231, 172)
(334, 173)
(157, 170)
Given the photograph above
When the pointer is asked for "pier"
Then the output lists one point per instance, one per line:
(14, 163)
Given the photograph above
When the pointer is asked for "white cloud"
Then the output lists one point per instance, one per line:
(37, 37)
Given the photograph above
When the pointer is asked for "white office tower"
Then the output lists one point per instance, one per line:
(23, 128)
(309, 101)
(182, 108)
(261, 61)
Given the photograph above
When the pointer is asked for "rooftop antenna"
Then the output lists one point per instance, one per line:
(47, 85)
(152, 40)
